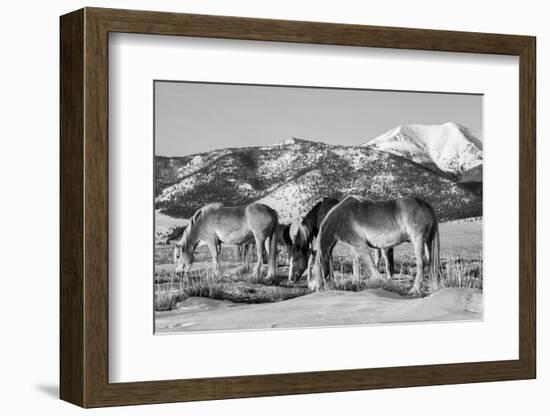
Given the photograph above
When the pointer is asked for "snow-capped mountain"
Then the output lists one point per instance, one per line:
(449, 147)
(292, 175)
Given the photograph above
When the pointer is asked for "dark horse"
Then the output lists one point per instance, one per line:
(300, 240)
(302, 233)
(364, 224)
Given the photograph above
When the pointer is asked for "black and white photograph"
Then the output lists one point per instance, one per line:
(279, 207)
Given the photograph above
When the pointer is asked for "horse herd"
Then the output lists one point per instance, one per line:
(369, 228)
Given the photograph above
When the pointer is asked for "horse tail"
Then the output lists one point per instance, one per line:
(324, 244)
(435, 263)
(317, 282)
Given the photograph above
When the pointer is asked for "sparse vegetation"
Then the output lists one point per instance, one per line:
(240, 285)
(349, 283)
(456, 271)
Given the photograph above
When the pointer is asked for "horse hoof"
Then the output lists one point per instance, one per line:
(415, 293)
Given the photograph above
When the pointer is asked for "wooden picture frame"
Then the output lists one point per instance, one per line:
(84, 207)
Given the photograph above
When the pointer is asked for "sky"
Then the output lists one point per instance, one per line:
(198, 117)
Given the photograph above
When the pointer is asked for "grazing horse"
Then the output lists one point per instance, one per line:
(215, 224)
(364, 224)
(302, 233)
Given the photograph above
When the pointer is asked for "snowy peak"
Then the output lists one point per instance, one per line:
(449, 147)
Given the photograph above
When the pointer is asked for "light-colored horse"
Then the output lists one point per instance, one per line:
(302, 233)
(364, 224)
(215, 224)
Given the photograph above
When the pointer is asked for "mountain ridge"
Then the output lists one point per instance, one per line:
(292, 175)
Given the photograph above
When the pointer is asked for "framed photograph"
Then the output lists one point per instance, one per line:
(255, 207)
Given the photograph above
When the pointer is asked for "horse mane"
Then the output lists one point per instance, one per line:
(344, 201)
(300, 232)
(283, 233)
(198, 215)
(356, 197)
(204, 210)
(319, 252)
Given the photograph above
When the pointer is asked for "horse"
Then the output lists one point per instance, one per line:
(215, 224)
(364, 224)
(302, 233)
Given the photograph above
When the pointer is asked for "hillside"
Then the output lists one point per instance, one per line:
(293, 175)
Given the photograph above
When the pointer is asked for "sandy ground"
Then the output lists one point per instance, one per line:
(331, 308)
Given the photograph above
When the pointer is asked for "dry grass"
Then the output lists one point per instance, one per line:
(456, 271)
(349, 283)
(240, 285)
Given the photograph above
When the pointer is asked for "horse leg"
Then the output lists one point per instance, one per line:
(315, 281)
(265, 254)
(377, 256)
(387, 263)
(290, 270)
(331, 268)
(418, 245)
(215, 253)
(365, 252)
(271, 244)
(390, 260)
(321, 271)
(310, 261)
(427, 252)
(259, 259)
(356, 264)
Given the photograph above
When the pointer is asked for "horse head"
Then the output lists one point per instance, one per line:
(298, 261)
(183, 254)
(299, 249)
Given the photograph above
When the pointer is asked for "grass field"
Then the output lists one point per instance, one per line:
(461, 259)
